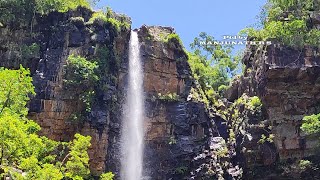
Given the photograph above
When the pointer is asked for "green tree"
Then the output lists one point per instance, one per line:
(15, 88)
(81, 78)
(24, 155)
(288, 22)
(212, 64)
(80, 72)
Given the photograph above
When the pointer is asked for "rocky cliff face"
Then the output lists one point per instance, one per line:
(55, 37)
(176, 126)
(287, 81)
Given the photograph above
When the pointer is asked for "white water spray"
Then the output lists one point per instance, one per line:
(132, 125)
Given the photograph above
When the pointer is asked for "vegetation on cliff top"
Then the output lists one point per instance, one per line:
(23, 11)
(23, 153)
(289, 22)
(102, 17)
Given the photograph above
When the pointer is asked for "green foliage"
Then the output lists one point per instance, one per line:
(46, 6)
(304, 164)
(239, 113)
(77, 165)
(212, 65)
(287, 21)
(16, 11)
(222, 89)
(264, 138)
(103, 55)
(23, 11)
(15, 88)
(81, 76)
(107, 176)
(80, 72)
(222, 152)
(255, 102)
(173, 37)
(168, 97)
(311, 124)
(28, 52)
(24, 154)
(106, 18)
(98, 16)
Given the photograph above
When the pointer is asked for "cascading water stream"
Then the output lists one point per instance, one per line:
(132, 136)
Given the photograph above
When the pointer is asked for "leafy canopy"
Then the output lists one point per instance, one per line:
(15, 88)
(212, 64)
(289, 22)
(23, 11)
(24, 155)
(80, 72)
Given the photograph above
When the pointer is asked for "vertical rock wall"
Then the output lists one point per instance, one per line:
(57, 36)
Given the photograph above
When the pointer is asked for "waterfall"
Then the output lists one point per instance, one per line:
(132, 135)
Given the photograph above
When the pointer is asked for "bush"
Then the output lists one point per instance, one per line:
(264, 138)
(103, 18)
(311, 124)
(173, 37)
(255, 102)
(98, 17)
(21, 12)
(222, 89)
(107, 176)
(168, 97)
(46, 6)
(81, 78)
(304, 164)
(80, 72)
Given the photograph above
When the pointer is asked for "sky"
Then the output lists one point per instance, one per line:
(190, 17)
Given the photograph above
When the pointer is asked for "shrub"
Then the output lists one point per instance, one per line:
(98, 17)
(80, 72)
(264, 139)
(103, 55)
(31, 51)
(222, 89)
(168, 97)
(255, 102)
(46, 6)
(81, 78)
(173, 37)
(304, 164)
(311, 124)
(107, 176)
(21, 12)
(103, 18)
